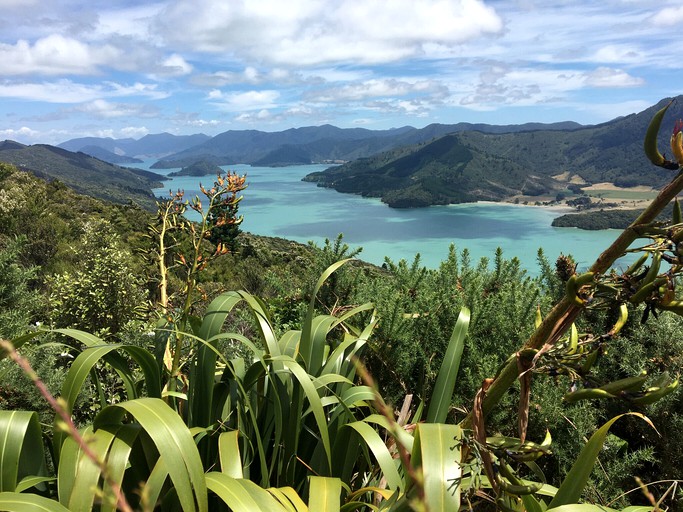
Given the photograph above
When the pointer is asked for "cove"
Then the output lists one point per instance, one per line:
(277, 203)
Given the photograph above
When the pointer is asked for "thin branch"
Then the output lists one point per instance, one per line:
(8, 347)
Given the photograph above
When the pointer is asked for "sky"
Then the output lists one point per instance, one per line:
(124, 68)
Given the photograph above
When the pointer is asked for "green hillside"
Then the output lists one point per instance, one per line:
(472, 165)
(83, 173)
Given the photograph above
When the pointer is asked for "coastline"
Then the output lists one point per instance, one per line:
(558, 208)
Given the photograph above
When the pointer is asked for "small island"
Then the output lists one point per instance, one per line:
(198, 168)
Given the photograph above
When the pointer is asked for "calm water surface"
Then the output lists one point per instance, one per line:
(278, 203)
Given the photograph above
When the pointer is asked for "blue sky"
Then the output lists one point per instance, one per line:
(74, 68)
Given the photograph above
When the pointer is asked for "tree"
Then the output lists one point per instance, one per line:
(222, 217)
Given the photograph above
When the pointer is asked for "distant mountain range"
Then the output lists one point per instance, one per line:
(406, 167)
(473, 165)
(132, 150)
(84, 173)
(296, 146)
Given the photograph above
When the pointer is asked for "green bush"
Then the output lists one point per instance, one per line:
(102, 293)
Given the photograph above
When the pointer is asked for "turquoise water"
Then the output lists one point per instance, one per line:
(278, 203)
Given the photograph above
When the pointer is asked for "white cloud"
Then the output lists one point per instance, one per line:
(250, 117)
(54, 55)
(301, 113)
(175, 65)
(618, 54)
(137, 89)
(135, 21)
(378, 88)
(201, 123)
(22, 133)
(134, 132)
(668, 17)
(27, 135)
(608, 77)
(66, 91)
(242, 101)
(103, 109)
(312, 32)
(250, 75)
(502, 84)
(415, 107)
(192, 119)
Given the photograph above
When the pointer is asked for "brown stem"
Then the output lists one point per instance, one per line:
(560, 318)
(8, 347)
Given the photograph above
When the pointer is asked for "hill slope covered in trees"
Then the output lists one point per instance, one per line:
(84, 173)
(472, 165)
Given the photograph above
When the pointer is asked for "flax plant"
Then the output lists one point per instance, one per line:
(217, 212)
(296, 424)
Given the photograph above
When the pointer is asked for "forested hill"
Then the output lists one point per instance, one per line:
(472, 165)
(83, 173)
(311, 144)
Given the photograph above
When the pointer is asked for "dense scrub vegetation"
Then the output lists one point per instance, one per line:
(323, 383)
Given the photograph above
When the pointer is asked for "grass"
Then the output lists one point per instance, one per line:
(629, 195)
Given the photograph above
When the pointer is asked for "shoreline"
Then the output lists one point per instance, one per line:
(559, 208)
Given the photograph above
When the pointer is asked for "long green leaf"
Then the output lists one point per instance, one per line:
(242, 495)
(33, 481)
(324, 494)
(202, 371)
(85, 487)
(229, 454)
(21, 502)
(344, 351)
(114, 359)
(172, 439)
(288, 498)
(79, 476)
(315, 342)
(404, 438)
(379, 449)
(149, 367)
(436, 451)
(154, 485)
(313, 399)
(21, 448)
(79, 371)
(69, 457)
(442, 396)
(306, 347)
(118, 459)
(20, 340)
(289, 343)
(573, 484)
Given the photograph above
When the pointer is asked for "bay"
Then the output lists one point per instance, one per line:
(277, 203)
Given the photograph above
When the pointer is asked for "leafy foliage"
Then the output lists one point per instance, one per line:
(105, 293)
(217, 414)
(17, 304)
